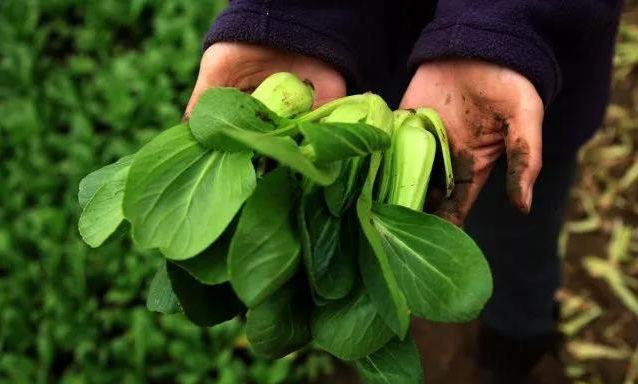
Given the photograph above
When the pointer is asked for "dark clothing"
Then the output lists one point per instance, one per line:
(522, 249)
(563, 47)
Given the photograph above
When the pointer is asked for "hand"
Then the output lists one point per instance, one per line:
(487, 109)
(244, 66)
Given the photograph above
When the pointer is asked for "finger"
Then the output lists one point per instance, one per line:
(206, 79)
(433, 199)
(328, 88)
(523, 143)
(470, 173)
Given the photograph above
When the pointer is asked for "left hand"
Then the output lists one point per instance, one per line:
(487, 110)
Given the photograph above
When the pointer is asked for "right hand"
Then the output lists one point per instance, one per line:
(245, 66)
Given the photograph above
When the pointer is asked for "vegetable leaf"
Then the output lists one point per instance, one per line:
(340, 194)
(439, 268)
(339, 141)
(103, 213)
(330, 270)
(285, 151)
(350, 328)
(398, 362)
(221, 108)
(94, 180)
(434, 124)
(179, 197)
(265, 249)
(378, 277)
(161, 297)
(210, 266)
(279, 325)
(204, 305)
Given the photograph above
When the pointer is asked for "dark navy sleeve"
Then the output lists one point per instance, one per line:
(527, 36)
(341, 33)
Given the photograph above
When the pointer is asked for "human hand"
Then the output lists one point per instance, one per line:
(487, 109)
(245, 66)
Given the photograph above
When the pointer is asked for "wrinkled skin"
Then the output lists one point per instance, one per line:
(245, 66)
(487, 110)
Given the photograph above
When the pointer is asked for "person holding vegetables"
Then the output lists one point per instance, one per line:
(517, 83)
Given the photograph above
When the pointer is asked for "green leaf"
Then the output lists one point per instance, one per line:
(378, 278)
(161, 297)
(439, 268)
(204, 305)
(103, 213)
(286, 152)
(434, 124)
(222, 108)
(279, 325)
(340, 141)
(210, 266)
(90, 184)
(350, 328)
(179, 197)
(331, 271)
(340, 194)
(264, 251)
(398, 362)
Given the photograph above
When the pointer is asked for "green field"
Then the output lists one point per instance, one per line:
(82, 84)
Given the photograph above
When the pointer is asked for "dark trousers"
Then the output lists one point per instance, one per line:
(522, 249)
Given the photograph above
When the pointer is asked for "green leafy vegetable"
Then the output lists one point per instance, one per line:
(434, 124)
(279, 325)
(221, 109)
(90, 184)
(265, 249)
(338, 141)
(161, 297)
(331, 272)
(285, 94)
(345, 189)
(204, 305)
(413, 150)
(398, 362)
(180, 197)
(286, 151)
(350, 328)
(103, 213)
(378, 278)
(233, 235)
(439, 268)
(210, 266)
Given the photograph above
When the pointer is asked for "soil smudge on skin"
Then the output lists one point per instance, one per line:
(309, 83)
(448, 99)
(249, 89)
(452, 208)
(502, 124)
(517, 161)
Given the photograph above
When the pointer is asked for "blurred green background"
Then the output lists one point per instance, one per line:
(83, 83)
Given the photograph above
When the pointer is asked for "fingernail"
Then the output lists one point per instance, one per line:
(528, 199)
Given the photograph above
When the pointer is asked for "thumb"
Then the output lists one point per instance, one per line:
(205, 80)
(470, 174)
(524, 156)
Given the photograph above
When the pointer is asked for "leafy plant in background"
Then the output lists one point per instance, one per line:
(83, 84)
(299, 220)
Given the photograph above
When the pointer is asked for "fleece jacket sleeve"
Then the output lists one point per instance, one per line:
(524, 35)
(341, 33)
